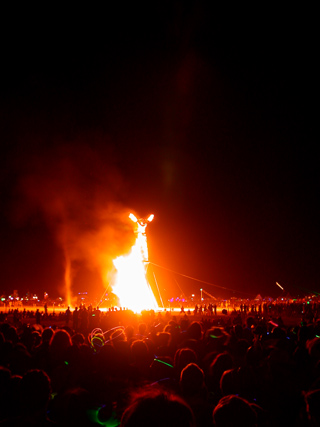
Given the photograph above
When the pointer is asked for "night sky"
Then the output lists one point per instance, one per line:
(206, 120)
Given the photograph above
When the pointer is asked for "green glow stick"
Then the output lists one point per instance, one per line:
(164, 363)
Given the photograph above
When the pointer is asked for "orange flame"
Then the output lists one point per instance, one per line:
(131, 285)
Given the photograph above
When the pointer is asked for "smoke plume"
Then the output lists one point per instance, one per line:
(76, 189)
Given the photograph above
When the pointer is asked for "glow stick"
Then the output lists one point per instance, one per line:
(164, 363)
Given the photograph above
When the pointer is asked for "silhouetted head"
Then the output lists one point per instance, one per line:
(35, 389)
(183, 357)
(229, 382)
(139, 351)
(59, 343)
(157, 408)
(192, 380)
(47, 334)
(194, 331)
(234, 411)
(78, 339)
(218, 366)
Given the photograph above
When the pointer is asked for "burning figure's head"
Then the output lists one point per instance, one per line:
(142, 222)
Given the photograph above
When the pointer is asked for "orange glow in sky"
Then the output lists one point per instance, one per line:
(131, 285)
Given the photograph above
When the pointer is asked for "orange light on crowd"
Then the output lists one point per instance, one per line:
(131, 285)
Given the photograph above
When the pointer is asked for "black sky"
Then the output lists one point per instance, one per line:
(205, 120)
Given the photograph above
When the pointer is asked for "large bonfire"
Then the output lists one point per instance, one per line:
(131, 285)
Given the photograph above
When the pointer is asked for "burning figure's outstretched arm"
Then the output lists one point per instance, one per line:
(133, 218)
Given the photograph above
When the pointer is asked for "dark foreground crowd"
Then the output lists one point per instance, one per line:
(161, 370)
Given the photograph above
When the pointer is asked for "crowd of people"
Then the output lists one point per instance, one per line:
(87, 368)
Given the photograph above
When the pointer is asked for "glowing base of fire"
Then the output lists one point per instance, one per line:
(131, 285)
